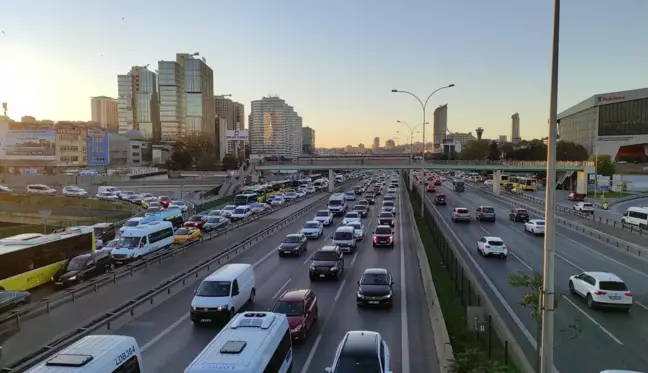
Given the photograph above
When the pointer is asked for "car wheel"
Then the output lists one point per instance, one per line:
(571, 288)
(252, 295)
(590, 301)
(232, 313)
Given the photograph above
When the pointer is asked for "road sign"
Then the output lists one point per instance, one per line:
(45, 215)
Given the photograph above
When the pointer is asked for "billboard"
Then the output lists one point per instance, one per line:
(233, 135)
(28, 144)
(98, 147)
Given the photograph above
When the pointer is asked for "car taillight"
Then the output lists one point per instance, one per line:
(628, 294)
(504, 246)
(600, 292)
(487, 246)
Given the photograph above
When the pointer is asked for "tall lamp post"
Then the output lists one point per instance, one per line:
(548, 296)
(423, 107)
(411, 131)
(409, 138)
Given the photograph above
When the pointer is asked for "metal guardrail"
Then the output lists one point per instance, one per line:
(147, 297)
(405, 159)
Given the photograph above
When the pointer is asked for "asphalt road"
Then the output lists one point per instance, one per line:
(170, 341)
(608, 339)
(40, 330)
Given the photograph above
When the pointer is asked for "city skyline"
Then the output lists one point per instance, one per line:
(500, 71)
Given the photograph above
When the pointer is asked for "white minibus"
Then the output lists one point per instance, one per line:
(95, 354)
(251, 342)
(636, 216)
(141, 240)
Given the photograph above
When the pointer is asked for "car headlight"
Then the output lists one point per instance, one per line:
(73, 278)
(297, 328)
(388, 295)
(359, 294)
(333, 269)
(193, 308)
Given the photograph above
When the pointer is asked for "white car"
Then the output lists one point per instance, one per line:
(107, 196)
(258, 208)
(488, 182)
(310, 189)
(291, 195)
(40, 189)
(4, 189)
(601, 289)
(74, 191)
(351, 217)
(313, 229)
(584, 207)
(358, 230)
(350, 196)
(361, 346)
(301, 193)
(325, 217)
(240, 213)
(492, 246)
(278, 200)
(535, 226)
(227, 210)
(182, 205)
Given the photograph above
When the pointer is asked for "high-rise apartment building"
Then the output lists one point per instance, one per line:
(376, 143)
(234, 114)
(440, 127)
(187, 98)
(275, 128)
(308, 140)
(515, 128)
(390, 144)
(137, 102)
(104, 113)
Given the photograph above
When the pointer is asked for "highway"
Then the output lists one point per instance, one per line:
(170, 341)
(40, 330)
(608, 339)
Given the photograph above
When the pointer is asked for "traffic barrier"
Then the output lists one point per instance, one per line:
(489, 327)
(147, 298)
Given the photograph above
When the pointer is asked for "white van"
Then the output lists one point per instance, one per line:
(250, 343)
(223, 293)
(337, 204)
(95, 354)
(241, 212)
(142, 240)
(636, 216)
(108, 189)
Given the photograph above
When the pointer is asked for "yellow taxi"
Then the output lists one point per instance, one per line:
(186, 234)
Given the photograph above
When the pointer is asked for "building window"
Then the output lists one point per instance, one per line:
(628, 118)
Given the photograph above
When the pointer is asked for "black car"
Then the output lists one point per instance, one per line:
(375, 288)
(358, 191)
(82, 267)
(12, 299)
(440, 199)
(383, 236)
(370, 198)
(377, 190)
(386, 218)
(363, 210)
(292, 244)
(327, 262)
(518, 215)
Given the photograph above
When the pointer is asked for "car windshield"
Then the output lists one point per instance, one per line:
(183, 232)
(462, 211)
(357, 364)
(374, 279)
(488, 210)
(195, 218)
(386, 215)
(441, 196)
(311, 225)
(355, 225)
(323, 213)
(77, 264)
(359, 208)
(131, 223)
(587, 205)
(178, 203)
(383, 230)
(289, 308)
(128, 242)
(342, 236)
(495, 243)
(292, 239)
(214, 289)
(327, 256)
(214, 220)
(522, 211)
(257, 205)
(613, 286)
(352, 215)
(240, 211)
(388, 204)
(362, 203)
(539, 222)
(229, 208)
(335, 202)
(215, 212)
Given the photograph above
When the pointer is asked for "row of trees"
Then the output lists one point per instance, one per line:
(197, 152)
(533, 150)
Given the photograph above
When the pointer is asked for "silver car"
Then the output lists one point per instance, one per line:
(358, 230)
(461, 214)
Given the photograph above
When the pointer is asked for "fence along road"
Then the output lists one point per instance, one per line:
(608, 340)
(74, 311)
(169, 341)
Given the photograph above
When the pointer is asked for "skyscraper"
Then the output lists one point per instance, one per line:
(515, 128)
(104, 113)
(390, 144)
(137, 102)
(308, 140)
(275, 128)
(440, 127)
(376, 143)
(234, 115)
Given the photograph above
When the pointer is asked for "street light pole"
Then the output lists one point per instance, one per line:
(411, 130)
(547, 339)
(423, 107)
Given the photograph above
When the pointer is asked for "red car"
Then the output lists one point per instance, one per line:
(437, 182)
(165, 201)
(431, 189)
(300, 306)
(575, 197)
(196, 221)
(440, 200)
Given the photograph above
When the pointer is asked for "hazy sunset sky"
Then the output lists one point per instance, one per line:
(335, 61)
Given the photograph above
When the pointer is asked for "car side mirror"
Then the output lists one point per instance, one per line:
(358, 282)
(392, 282)
(195, 291)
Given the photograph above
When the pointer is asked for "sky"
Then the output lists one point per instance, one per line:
(334, 61)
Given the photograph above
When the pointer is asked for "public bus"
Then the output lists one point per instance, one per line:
(504, 179)
(528, 183)
(252, 342)
(279, 185)
(514, 181)
(246, 199)
(31, 259)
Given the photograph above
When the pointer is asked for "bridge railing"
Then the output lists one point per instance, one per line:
(392, 160)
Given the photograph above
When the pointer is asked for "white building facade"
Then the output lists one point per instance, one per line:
(275, 129)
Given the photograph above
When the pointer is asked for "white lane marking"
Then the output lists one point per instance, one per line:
(355, 256)
(163, 333)
(282, 288)
(590, 318)
(265, 257)
(405, 356)
(339, 292)
(641, 305)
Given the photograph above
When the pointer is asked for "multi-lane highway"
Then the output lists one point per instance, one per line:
(170, 341)
(608, 339)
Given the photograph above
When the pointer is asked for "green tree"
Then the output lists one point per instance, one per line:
(474, 150)
(570, 151)
(604, 165)
(182, 159)
(493, 151)
(230, 162)
(507, 150)
(206, 162)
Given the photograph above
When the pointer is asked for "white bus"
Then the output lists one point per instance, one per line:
(142, 240)
(95, 354)
(252, 342)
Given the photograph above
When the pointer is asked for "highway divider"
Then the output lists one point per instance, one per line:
(612, 241)
(13, 319)
(107, 321)
(486, 325)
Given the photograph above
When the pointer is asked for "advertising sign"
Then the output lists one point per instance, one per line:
(236, 135)
(29, 144)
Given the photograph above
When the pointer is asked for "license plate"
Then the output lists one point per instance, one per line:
(615, 297)
(373, 302)
(205, 320)
(322, 275)
(58, 283)
(286, 252)
(119, 262)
